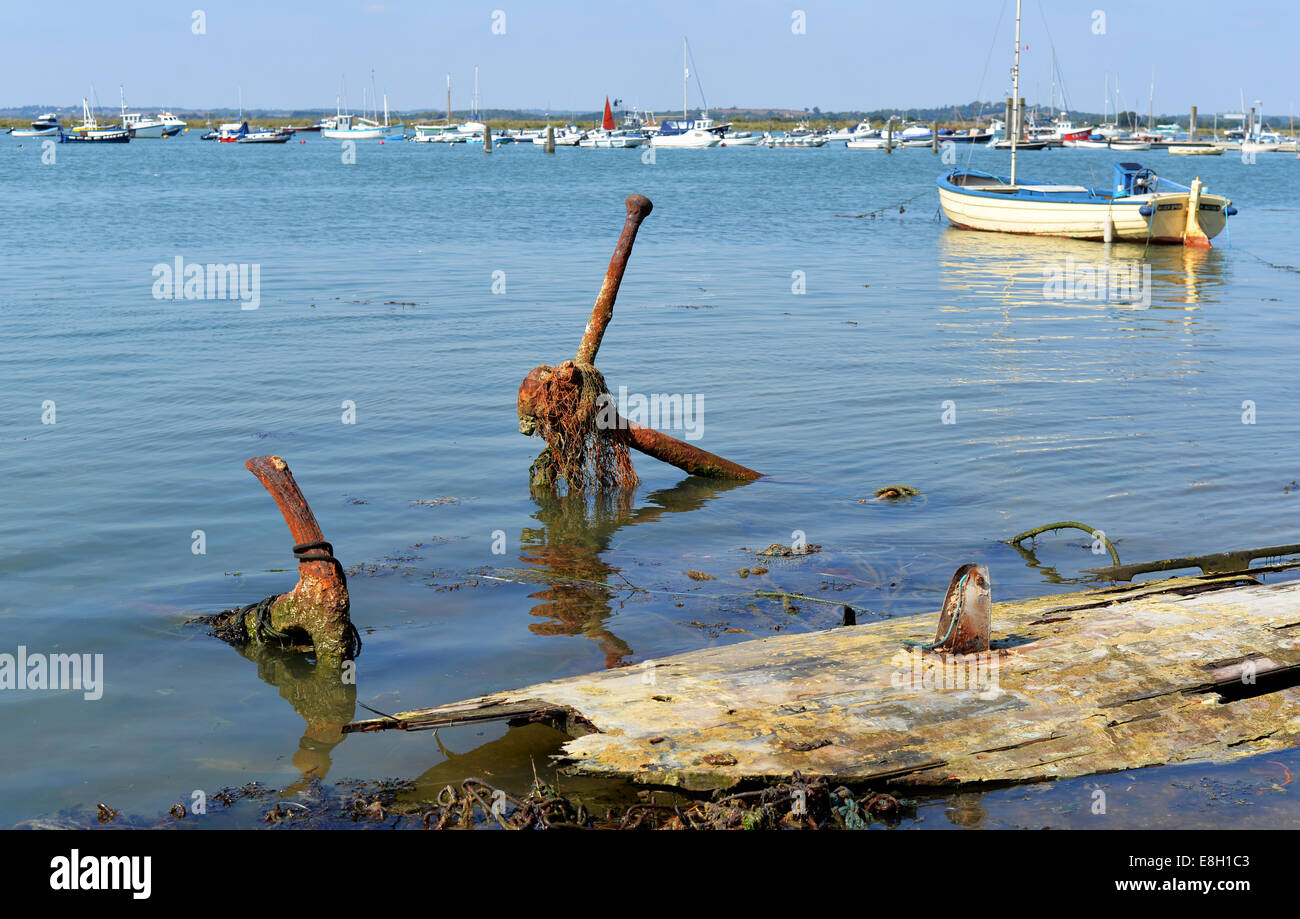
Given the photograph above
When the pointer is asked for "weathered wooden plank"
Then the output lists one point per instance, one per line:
(1077, 684)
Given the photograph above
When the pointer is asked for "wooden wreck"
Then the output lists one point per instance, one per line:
(1191, 669)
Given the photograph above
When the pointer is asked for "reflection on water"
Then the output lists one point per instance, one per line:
(317, 693)
(1013, 269)
(575, 531)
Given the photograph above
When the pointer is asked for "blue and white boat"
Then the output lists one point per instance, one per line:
(1138, 207)
(1141, 207)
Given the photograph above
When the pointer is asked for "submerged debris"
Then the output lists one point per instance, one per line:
(896, 492)
(799, 803)
(776, 550)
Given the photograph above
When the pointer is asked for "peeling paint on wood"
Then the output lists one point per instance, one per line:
(1092, 682)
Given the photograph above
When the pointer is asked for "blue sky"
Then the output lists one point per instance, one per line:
(852, 55)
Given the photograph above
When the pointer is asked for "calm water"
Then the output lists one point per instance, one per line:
(377, 287)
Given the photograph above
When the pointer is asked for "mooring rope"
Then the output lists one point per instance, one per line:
(952, 625)
(887, 207)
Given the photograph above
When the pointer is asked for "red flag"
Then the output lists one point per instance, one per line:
(608, 123)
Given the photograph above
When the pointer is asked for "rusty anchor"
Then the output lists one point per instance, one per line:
(561, 403)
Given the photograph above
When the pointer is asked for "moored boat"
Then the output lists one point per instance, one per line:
(246, 135)
(611, 136)
(1140, 207)
(45, 126)
(90, 131)
(357, 127)
(741, 139)
(172, 125)
(799, 136)
(686, 132)
(140, 126)
(869, 143)
(969, 136)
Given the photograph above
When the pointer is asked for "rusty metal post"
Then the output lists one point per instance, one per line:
(638, 209)
(318, 605)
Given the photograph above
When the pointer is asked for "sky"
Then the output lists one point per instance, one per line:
(841, 55)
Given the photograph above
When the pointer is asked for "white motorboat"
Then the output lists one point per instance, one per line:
(862, 128)
(741, 139)
(45, 126)
(138, 124)
(799, 136)
(868, 143)
(686, 134)
(433, 133)
(172, 125)
(611, 139)
(568, 136)
(1204, 150)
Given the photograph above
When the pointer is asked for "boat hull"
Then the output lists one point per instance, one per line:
(1166, 223)
(356, 134)
(148, 130)
(97, 136)
(695, 138)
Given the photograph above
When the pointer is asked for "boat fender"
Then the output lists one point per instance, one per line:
(1230, 210)
(1146, 210)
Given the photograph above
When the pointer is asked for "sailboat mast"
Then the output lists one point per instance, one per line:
(686, 77)
(448, 98)
(475, 118)
(1015, 98)
(1053, 96)
(1151, 102)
